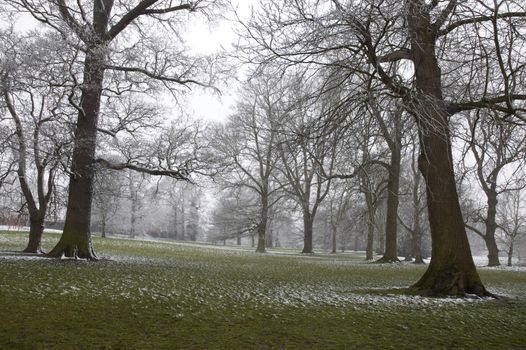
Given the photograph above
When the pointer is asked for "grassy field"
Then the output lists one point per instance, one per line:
(156, 295)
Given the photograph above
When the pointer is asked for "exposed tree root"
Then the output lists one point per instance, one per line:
(73, 251)
(32, 250)
(450, 282)
(387, 260)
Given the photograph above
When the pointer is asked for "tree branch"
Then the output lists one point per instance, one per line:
(396, 55)
(176, 174)
(452, 26)
(155, 76)
(142, 8)
(491, 103)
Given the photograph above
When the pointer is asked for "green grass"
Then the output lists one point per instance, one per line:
(152, 295)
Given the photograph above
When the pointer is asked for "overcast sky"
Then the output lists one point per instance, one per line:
(202, 37)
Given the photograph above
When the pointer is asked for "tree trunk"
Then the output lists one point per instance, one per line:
(417, 227)
(334, 234)
(491, 227)
(371, 210)
(103, 228)
(183, 219)
(36, 229)
(307, 233)
(262, 227)
(76, 238)
(452, 270)
(369, 251)
(238, 240)
(391, 224)
(380, 247)
(510, 254)
(417, 244)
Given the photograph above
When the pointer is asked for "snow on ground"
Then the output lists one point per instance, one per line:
(212, 283)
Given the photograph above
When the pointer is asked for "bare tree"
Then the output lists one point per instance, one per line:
(512, 220)
(108, 189)
(248, 143)
(31, 88)
(415, 227)
(424, 40)
(390, 124)
(308, 157)
(498, 149)
(113, 40)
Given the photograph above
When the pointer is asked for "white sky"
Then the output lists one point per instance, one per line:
(203, 38)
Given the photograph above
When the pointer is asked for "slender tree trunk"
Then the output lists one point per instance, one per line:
(307, 233)
(176, 220)
(269, 240)
(380, 247)
(417, 244)
(103, 233)
(369, 251)
(510, 254)
(334, 234)
(262, 227)
(391, 224)
(183, 219)
(134, 205)
(238, 241)
(452, 270)
(417, 227)
(491, 228)
(371, 210)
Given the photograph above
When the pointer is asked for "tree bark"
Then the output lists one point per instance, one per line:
(76, 238)
(417, 227)
(262, 227)
(391, 225)
(36, 229)
(334, 234)
(510, 254)
(103, 228)
(491, 228)
(417, 244)
(452, 270)
(307, 233)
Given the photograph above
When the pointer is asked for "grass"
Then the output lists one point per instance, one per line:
(153, 295)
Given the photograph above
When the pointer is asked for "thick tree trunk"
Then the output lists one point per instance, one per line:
(36, 229)
(76, 238)
(391, 224)
(307, 233)
(452, 270)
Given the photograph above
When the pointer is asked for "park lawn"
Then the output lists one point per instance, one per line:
(160, 295)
